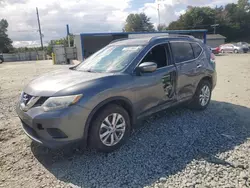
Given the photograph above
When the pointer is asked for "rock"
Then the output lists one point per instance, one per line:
(244, 175)
(163, 179)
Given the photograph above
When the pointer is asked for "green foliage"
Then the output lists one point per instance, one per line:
(26, 49)
(233, 20)
(5, 42)
(195, 18)
(138, 23)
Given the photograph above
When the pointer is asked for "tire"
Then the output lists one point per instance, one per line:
(236, 51)
(222, 51)
(1, 61)
(103, 118)
(197, 102)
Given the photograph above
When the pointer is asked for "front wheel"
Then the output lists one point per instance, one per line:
(202, 96)
(236, 51)
(1, 61)
(110, 128)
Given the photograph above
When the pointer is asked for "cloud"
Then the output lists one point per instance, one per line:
(170, 10)
(81, 15)
(84, 15)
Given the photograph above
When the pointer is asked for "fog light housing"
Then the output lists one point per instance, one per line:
(56, 133)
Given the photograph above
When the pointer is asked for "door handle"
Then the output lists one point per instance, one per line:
(199, 66)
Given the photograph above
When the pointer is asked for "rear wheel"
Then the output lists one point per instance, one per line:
(202, 96)
(236, 51)
(222, 51)
(110, 128)
(1, 61)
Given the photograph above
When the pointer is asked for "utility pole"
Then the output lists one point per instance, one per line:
(68, 35)
(159, 19)
(39, 26)
(214, 26)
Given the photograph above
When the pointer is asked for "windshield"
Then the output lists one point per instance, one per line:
(110, 58)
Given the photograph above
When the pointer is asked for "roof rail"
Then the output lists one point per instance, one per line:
(173, 35)
(117, 40)
(158, 37)
(186, 36)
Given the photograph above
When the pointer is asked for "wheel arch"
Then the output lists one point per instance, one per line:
(207, 78)
(122, 101)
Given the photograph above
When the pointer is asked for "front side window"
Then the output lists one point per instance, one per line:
(182, 51)
(157, 55)
(197, 49)
(112, 58)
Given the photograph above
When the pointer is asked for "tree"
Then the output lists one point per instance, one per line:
(138, 23)
(5, 42)
(161, 27)
(233, 20)
(195, 18)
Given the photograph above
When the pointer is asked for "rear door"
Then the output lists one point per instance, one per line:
(188, 67)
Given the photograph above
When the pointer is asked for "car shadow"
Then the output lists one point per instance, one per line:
(163, 146)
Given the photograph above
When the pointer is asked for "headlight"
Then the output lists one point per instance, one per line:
(21, 96)
(55, 103)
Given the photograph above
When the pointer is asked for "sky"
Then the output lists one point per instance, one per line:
(85, 16)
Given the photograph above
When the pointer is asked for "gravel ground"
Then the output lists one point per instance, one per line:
(173, 148)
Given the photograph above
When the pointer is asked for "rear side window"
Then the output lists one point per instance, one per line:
(197, 49)
(182, 51)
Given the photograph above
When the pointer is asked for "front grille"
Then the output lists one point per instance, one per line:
(41, 101)
(26, 98)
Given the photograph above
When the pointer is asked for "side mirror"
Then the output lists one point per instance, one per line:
(147, 67)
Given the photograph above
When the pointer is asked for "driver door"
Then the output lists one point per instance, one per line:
(156, 88)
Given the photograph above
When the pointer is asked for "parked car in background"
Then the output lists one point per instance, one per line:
(99, 101)
(215, 50)
(244, 44)
(233, 48)
(1, 59)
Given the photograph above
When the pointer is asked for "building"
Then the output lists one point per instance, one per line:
(88, 43)
(215, 40)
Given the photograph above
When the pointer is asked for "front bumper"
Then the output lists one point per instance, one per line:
(55, 128)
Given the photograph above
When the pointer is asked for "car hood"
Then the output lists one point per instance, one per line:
(53, 82)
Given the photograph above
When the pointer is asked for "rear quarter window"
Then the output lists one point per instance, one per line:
(197, 49)
(182, 51)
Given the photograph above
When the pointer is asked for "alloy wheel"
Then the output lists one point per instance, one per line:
(112, 129)
(204, 95)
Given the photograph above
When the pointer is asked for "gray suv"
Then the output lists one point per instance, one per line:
(99, 101)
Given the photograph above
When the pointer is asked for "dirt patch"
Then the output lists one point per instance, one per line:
(174, 148)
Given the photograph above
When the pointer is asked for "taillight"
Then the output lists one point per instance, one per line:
(212, 58)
